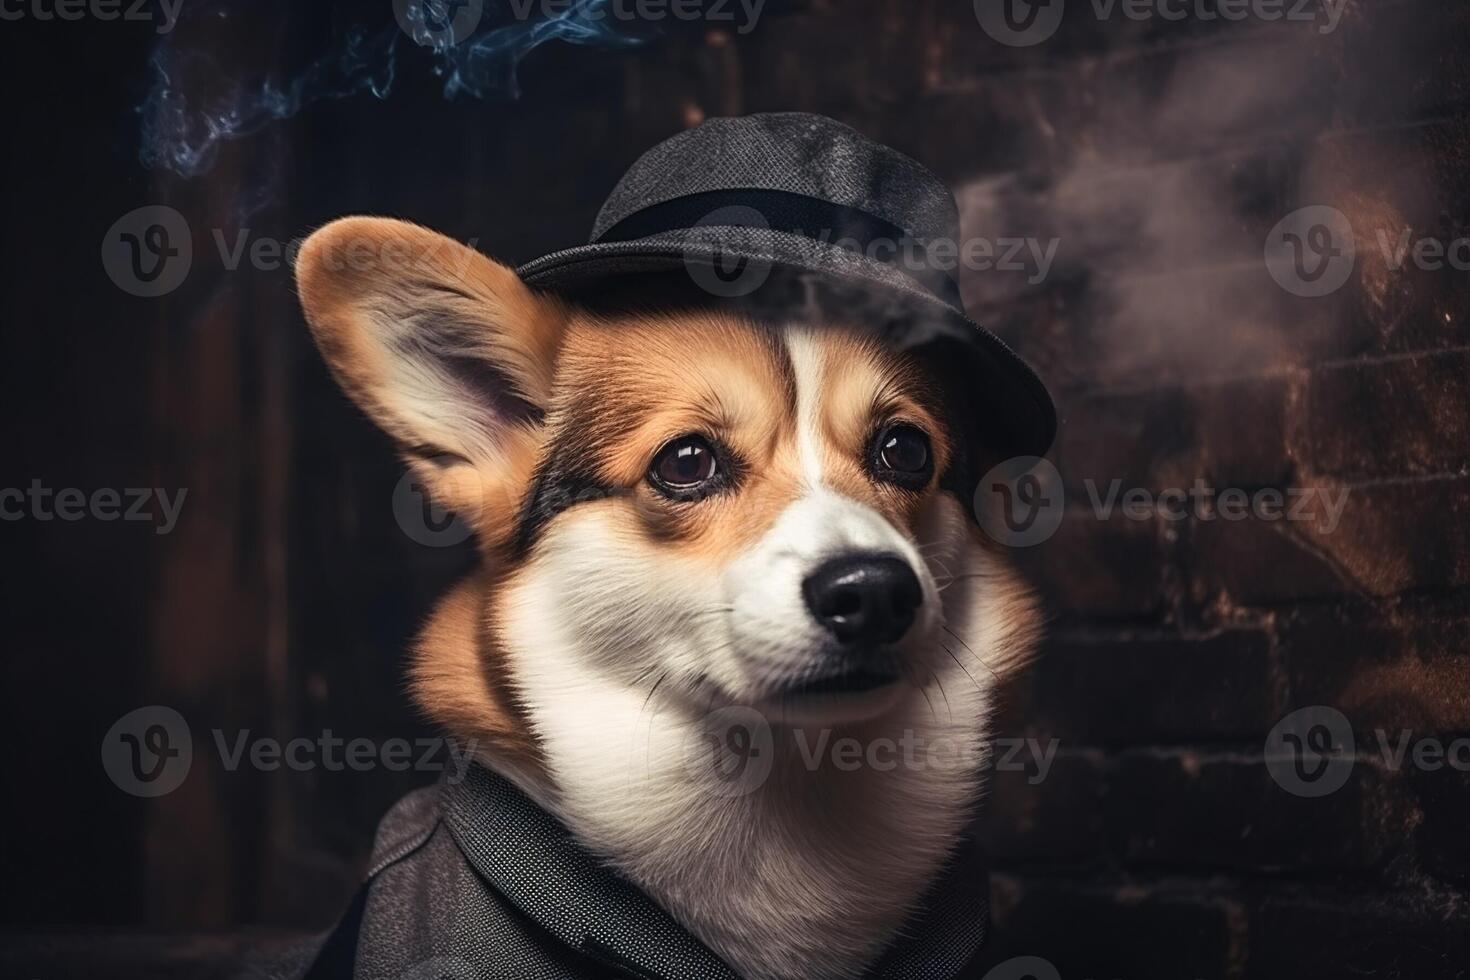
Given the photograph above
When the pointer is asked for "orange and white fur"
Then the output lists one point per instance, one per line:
(615, 607)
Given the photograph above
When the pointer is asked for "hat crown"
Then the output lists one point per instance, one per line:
(792, 152)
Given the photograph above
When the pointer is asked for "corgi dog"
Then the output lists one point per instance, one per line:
(685, 507)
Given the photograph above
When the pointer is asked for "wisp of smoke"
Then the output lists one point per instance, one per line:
(193, 106)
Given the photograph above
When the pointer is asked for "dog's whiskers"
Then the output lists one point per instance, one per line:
(959, 578)
(935, 561)
(961, 666)
(715, 611)
(909, 676)
(978, 659)
(648, 743)
(940, 684)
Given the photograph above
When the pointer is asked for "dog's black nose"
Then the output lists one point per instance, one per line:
(864, 599)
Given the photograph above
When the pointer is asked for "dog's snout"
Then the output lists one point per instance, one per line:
(864, 599)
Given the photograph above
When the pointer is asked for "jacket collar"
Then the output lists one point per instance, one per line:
(516, 846)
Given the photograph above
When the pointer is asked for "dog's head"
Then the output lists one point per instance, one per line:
(722, 507)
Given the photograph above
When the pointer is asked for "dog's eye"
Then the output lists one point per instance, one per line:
(686, 464)
(901, 455)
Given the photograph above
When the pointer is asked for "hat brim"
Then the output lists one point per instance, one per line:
(1018, 416)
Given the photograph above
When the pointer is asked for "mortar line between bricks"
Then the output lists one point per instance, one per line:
(1250, 264)
(1254, 147)
(1301, 881)
(1213, 268)
(1393, 358)
(1237, 751)
(1217, 752)
(1081, 505)
(1399, 481)
(1263, 142)
(1420, 593)
(981, 79)
(1226, 748)
(1156, 633)
(1312, 883)
(1144, 387)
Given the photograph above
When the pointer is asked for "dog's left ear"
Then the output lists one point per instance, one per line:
(448, 351)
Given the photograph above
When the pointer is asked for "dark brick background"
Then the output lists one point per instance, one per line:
(1158, 154)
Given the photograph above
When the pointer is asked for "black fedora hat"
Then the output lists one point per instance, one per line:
(734, 200)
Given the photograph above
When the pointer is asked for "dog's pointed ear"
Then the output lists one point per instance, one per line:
(448, 351)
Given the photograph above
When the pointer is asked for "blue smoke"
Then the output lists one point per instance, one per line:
(183, 126)
(191, 110)
(486, 66)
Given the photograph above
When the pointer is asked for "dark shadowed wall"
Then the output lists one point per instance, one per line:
(1156, 158)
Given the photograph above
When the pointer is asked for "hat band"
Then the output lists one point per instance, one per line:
(797, 214)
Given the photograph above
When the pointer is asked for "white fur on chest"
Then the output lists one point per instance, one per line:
(810, 873)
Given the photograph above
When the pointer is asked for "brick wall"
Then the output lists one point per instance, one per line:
(1161, 156)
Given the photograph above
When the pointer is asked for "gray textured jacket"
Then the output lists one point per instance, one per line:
(472, 880)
